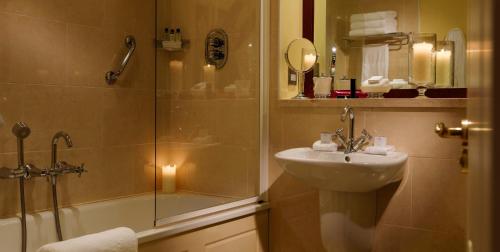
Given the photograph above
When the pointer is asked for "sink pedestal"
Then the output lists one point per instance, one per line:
(347, 220)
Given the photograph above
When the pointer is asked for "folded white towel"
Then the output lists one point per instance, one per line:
(379, 23)
(379, 83)
(399, 83)
(373, 16)
(115, 240)
(318, 146)
(375, 62)
(373, 31)
(379, 150)
(456, 35)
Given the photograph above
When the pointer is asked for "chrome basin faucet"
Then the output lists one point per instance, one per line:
(349, 143)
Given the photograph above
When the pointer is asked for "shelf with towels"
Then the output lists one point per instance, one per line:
(395, 40)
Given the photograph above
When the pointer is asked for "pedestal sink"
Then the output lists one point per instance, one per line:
(346, 184)
(336, 171)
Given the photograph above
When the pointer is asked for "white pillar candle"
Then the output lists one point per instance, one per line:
(422, 63)
(443, 68)
(176, 73)
(209, 76)
(168, 178)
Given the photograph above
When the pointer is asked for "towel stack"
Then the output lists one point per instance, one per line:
(373, 23)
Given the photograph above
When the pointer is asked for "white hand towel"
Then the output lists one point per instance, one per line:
(373, 16)
(375, 62)
(373, 31)
(319, 146)
(379, 150)
(456, 35)
(115, 240)
(381, 23)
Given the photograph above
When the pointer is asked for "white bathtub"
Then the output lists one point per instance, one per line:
(134, 212)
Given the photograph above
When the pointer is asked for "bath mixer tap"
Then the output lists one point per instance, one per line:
(349, 143)
(55, 139)
(60, 168)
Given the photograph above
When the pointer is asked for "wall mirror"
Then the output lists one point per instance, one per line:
(372, 42)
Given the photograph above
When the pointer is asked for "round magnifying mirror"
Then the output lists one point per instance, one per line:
(301, 56)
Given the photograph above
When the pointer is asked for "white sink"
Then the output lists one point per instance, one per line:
(336, 171)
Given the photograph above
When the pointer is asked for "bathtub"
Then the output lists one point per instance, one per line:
(137, 213)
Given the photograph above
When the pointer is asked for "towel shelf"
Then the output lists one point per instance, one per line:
(395, 40)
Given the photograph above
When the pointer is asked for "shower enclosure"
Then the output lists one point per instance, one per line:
(208, 107)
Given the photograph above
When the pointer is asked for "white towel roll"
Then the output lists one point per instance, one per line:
(372, 31)
(379, 23)
(115, 240)
(373, 16)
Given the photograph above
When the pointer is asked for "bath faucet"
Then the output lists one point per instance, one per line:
(59, 168)
(350, 143)
(55, 139)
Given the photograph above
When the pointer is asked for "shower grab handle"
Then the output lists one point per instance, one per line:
(112, 76)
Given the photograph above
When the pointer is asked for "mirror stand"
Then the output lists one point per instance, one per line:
(300, 86)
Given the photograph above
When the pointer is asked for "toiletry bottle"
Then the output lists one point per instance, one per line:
(167, 36)
(353, 88)
(178, 35)
(171, 35)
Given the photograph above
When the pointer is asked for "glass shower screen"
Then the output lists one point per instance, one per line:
(207, 113)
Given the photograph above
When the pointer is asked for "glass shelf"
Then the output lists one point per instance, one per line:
(395, 40)
(184, 44)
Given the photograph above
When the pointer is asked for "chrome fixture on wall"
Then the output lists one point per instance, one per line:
(54, 171)
(27, 171)
(112, 76)
(22, 172)
(349, 143)
(216, 48)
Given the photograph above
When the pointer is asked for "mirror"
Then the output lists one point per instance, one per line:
(344, 44)
(301, 56)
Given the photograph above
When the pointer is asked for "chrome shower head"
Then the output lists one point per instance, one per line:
(21, 130)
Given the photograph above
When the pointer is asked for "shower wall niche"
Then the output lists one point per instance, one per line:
(208, 119)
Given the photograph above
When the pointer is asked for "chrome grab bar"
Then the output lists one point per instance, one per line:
(112, 76)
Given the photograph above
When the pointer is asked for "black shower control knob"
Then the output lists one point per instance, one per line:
(216, 42)
(217, 55)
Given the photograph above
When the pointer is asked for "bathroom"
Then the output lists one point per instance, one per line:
(163, 125)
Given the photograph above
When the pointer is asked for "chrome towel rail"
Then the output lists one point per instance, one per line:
(112, 76)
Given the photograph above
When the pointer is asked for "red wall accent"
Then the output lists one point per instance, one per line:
(308, 33)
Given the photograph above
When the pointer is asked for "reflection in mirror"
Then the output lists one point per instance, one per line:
(369, 41)
(301, 56)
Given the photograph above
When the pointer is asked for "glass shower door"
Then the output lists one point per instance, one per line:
(207, 113)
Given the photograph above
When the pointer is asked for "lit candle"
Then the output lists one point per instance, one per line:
(422, 63)
(176, 68)
(443, 68)
(309, 61)
(209, 75)
(168, 178)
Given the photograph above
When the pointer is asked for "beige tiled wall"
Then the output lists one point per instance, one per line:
(54, 55)
(425, 212)
(228, 164)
